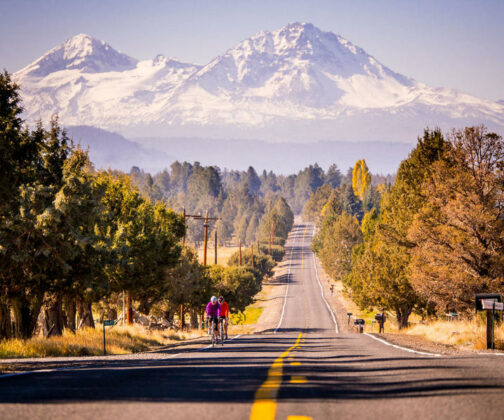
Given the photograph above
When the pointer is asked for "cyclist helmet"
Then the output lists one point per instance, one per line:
(213, 299)
(221, 298)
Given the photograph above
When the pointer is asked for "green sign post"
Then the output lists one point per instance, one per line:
(106, 323)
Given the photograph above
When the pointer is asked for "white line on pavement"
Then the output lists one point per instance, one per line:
(423, 353)
(322, 291)
(285, 296)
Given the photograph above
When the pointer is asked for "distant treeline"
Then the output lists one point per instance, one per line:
(239, 198)
(429, 242)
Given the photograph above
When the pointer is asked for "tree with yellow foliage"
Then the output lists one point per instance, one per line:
(361, 179)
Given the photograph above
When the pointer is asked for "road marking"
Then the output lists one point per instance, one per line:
(302, 246)
(295, 363)
(323, 297)
(285, 296)
(264, 407)
(423, 353)
(299, 418)
(298, 380)
(490, 354)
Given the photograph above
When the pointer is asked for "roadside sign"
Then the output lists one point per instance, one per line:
(480, 297)
(489, 305)
(108, 322)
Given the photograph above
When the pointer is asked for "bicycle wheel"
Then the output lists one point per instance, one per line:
(213, 333)
(221, 332)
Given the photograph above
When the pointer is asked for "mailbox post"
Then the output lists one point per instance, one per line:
(349, 314)
(359, 323)
(380, 318)
(489, 302)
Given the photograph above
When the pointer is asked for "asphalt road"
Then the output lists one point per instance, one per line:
(305, 369)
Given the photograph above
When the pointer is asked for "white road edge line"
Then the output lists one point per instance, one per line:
(322, 291)
(423, 353)
(490, 354)
(323, 297)
(8, 375)
(286, 291)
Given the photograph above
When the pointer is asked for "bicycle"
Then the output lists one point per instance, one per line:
(212, 332)
(221, 331)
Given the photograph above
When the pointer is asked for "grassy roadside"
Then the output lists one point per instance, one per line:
(89, 342)
(464, 334)
(223, 254)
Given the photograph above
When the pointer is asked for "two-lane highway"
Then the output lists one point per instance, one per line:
(305, 368)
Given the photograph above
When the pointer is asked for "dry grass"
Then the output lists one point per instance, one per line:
(468, 334)
(223, 254)
(89, 342)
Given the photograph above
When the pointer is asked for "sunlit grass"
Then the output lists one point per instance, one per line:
(89, 342)
(469, 334)
(248, 317)
(223, 254)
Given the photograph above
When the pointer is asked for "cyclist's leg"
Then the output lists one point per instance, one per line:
(226, 323)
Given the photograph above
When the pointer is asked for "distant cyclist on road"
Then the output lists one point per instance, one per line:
(224, 313)
(213, 312)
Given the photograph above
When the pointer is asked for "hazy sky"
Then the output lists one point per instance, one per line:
(449, 43)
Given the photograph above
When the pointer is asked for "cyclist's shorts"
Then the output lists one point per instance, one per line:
(216, 321)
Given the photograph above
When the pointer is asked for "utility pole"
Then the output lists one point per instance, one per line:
(215, 262)
(123, 309)
(206, 239)
(272, 230)
(252, 254)
(183, 237)
(129, 311)
(239, 252)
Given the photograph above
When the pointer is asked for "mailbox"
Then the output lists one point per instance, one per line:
(486, 296)
(359, 322)
(379, 317)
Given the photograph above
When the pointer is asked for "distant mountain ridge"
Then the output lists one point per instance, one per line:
(297, 83)
(111, 150)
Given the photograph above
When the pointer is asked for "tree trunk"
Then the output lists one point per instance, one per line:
(402, 315)
(194, 319)
(168, 316)
(129, 309)
(111, 313)
(71, 312)
(5, 321)
(145, 306)
(26, 311)
(85, 314)
(53, 317)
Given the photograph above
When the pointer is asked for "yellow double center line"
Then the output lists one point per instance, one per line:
(264, 407)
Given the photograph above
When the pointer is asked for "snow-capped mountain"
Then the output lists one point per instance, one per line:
(295, 83)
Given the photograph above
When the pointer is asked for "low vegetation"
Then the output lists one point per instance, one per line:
(89, 342)
(470, 334)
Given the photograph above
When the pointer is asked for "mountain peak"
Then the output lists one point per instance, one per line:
(81, 52)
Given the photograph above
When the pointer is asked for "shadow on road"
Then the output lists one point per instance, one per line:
(234, 372)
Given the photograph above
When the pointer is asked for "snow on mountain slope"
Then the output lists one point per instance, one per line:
(297, 82)
(83, 53)
(95, 84)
